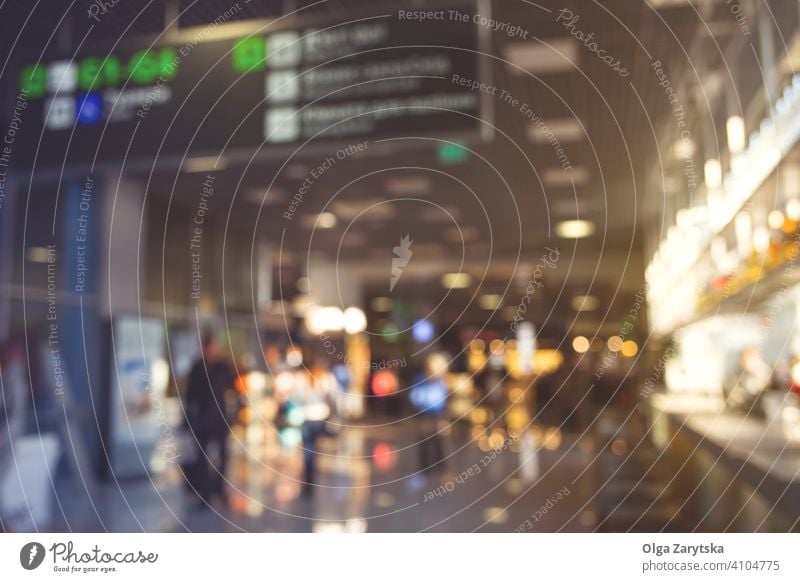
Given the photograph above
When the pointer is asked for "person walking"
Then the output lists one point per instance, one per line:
(210, 379)
(316, 393)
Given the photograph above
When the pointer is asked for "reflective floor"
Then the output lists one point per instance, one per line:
(369, 481)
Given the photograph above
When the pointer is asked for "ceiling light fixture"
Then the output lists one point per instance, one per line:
(585, 303)
(456, 280)
(575, 228)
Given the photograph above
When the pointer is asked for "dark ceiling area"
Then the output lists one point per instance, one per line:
(494, 211)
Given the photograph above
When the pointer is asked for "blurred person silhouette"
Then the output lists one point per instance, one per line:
(746, 385)
(14, 404)
(314, 392)
(13, 410)
(211, 379)
(429, 395)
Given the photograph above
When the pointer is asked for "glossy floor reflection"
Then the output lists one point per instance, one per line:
(369, 481)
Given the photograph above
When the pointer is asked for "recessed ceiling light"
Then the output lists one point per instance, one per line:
(585, 303)
(326, 220)
(575, 228)
(39, 254)
(490, 302)
(555, 177)
(538, 57)
(322, 220)
(409, 185)
(456, 280)
(364, 209)
(464, 234)
(382, 304)
(684, 149)
(261, 196)
(496, 515)
(206, 164)
(564, 130)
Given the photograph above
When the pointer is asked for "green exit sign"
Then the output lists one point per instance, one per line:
(249, 54)
(452, 153)
(144, 67)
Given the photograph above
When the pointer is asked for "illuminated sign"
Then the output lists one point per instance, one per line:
(90, 73)
(366, 78)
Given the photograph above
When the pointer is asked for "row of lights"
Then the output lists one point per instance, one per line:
(727, 196)
(333, 319)
(628, 348)
(568, 229)
(492, 301)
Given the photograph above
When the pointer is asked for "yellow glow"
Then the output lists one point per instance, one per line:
(796, 373)
(736, 134)
(38, 254)
(495, 515)
(629, 348)
(517, 418)
(547, 361)
(575, 228)
(497, 437)
(256, 381)
(793, 209)
(206, 164)
(497, 346)
(489, 302)
(515, 486)
(479, 415)
(585, 303)
(354, 320)
(382, 304)
(580, 344)
(321, 319)
(437, 364)
(476, 360)
(477, 345)
(456, 280)
(552, 439)
(775, 219)
(713, 174)
(614, 343)
(326, 220)
(301, 304)
(761, 239)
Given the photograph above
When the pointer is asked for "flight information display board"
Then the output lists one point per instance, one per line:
(362, 79)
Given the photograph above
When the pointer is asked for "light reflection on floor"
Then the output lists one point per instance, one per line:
(369, 481)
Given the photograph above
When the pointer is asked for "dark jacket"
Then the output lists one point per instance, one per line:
(205, 397)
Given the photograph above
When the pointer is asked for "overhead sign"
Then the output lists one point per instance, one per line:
(367, 78)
